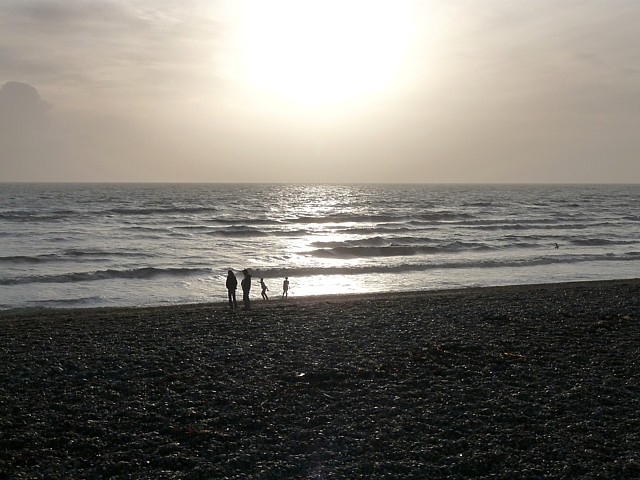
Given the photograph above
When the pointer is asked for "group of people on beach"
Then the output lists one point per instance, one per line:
(232, 286)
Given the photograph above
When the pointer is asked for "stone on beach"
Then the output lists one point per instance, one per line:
(537, 381)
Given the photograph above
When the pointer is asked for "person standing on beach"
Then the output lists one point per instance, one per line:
(264, 289)
(232, 286)
(285, 288)
(246, 286)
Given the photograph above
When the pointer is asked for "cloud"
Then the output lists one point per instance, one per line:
(69, 17)
(39, 143)
(106, 52)
(22, 110)
(36, 143)
(25, 139)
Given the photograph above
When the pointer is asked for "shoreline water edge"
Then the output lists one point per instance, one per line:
(524, 381)
(308, 300)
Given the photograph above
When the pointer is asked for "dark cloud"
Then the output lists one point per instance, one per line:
(52, 15)
(22, 110)
(26, 145)
(38, 144)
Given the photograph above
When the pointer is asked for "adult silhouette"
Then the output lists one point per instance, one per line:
(232, 286)
(285, 288)
(246, 286)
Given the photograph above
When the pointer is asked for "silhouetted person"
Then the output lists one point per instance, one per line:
(264, 289)
(246, 286)
(285, 287)
(232, 286)
(557, 247)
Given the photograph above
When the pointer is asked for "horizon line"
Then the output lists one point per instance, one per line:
(164, 182)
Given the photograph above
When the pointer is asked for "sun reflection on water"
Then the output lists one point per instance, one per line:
(320, 211)
(323, 285)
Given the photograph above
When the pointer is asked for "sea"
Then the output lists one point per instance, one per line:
(99, 245)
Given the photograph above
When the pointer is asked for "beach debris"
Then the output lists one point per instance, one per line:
(513, 356)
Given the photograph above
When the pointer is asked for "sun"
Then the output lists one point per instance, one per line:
(324, 52)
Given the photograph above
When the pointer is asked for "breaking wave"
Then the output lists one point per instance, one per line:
(394, 250)
(148, 273)
(136, 273)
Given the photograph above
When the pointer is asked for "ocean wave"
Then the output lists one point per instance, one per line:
(77, 252)
(394, 250)
(529, 226)
(158, 210)
(417, 242)
(419, 267)
(383, 228)
(70, 301)
(240, 231)
(37, 215)
(379, 218)
(215, 222)
(365, 242)
(136, 273)
(27, 258)
(600, 242)
(61, 214)
(54, 215)
(345, 218)
(442, 216)
(144, 228)
(474, 221)
(196, 228)
(149, 273)
(248, 231)
(70, 255)
(477, 204)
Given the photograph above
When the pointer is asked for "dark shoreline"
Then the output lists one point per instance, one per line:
(257, 302)
(525, 381)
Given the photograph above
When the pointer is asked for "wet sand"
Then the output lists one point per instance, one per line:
(539, 381)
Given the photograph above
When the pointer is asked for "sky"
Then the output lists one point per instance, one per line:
(340, 91)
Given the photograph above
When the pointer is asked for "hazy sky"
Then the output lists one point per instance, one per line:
(320, 90)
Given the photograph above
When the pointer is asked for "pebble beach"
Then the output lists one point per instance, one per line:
(531, 382)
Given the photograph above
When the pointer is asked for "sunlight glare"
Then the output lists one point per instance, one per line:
(319, 52)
